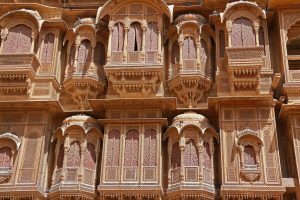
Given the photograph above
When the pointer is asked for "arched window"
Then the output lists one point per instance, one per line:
(222, 43)
(90, 157)
(176, 156)
(150, 148)
(99, 55)
(151, 37)
(84, 56)
(72, 55)
(135, 37)
(131, 148)
(113, 148)
(117, 37)
(206, 156)
(191, 156)
(5, 157)
(203, 52)
(189, 49)
(73, 155)
(242, 34)
(249, 156)
(48, 47)
(60, 157)
(175, 53)
(18, 40)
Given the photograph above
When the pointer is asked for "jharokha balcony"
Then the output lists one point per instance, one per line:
(190, 62)
(17, 72)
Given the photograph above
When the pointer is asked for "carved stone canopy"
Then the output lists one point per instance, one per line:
(190, 17)
(191, 119)
(84, 122)
(12, 137)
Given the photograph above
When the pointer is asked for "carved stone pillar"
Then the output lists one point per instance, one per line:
(200, 153)
(169, 161)
(33, 36)
(159, 45)
(180, 41)
(212, 152)
(125, 44)
(256, 35)
(182, 147)
(81, 167)
(229, 37)
(66, 149)
(109, 45)
(143, 53)
(92, 65)
(198, 44)
(77, 44)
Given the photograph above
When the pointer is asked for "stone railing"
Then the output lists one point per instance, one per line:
(245, 53)
(19, 62)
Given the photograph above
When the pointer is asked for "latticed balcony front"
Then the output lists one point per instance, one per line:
(244, 66)
(17, 72)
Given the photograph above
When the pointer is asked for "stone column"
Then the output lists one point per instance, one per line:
(125, 44)
(81, 167)
(77, 44)
(180, 42)
(200, 153)
(143, 53)
(182, 147)
(198, 44)
(159, 56)
(33, 36)
(109, 45)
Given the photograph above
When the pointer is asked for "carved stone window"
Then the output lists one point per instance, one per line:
(175, 53)
(113, 148)
(73, 155)
(118, 37)
(84, 56)
(90, 157)
(150, 147)
(131, 148)
(189, 49)
(222, 43)
(176, 156)
(191, 156)
(135, 37)
(249, 156)
(206, 156)
(151, 37)
(100, 56)
(242, 34)
(5, 157)
(18, 40)
(47, 53)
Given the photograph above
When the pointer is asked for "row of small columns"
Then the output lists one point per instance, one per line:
(180, 42)
(182, 165)
(83, 145)
(152, 196)
(256, 29)
(126, 29)
(78, 41)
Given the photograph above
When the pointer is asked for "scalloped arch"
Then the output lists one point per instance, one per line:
(113, 5)
(231, 7)
(34, 15)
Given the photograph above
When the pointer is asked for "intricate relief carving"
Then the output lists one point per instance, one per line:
(189, 89)
(131, 149)
(18, 40)
(191, 156)
(150, 148)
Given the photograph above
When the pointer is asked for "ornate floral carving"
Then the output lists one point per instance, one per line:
(113, 148)
(131, 152)
(90, 157)
(191, 156)
(73, 155)
(150, 148)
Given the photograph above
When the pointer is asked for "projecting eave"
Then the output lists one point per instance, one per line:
(165, 103)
